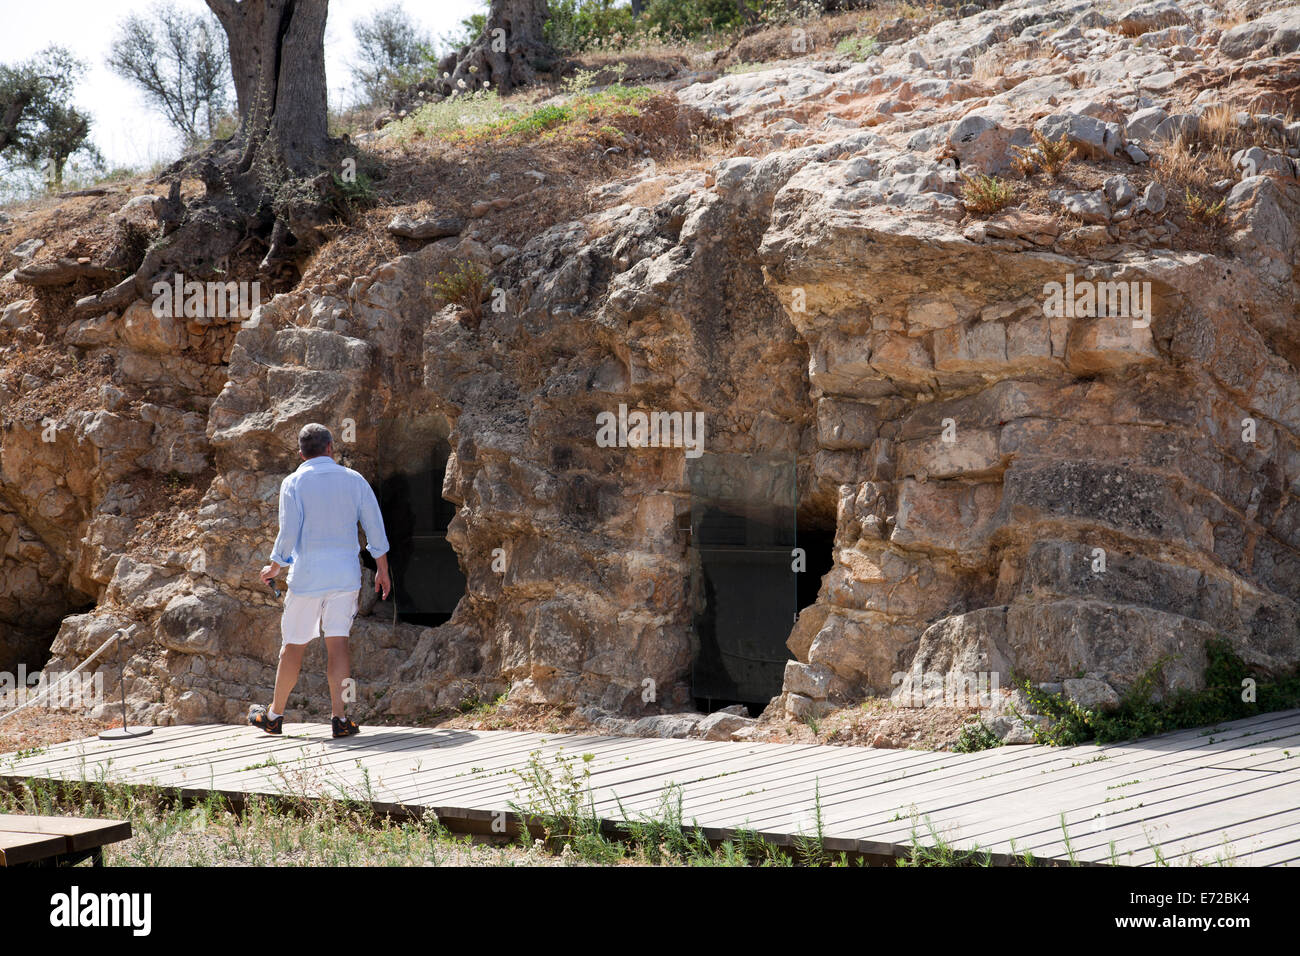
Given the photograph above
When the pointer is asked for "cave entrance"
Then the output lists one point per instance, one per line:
(427, 580)
(747, 592)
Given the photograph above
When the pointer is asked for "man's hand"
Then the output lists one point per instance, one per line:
(383, 583)
(269, 572)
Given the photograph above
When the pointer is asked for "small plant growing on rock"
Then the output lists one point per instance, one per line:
(986, 194)
(1046, 154)
(464, 286)
(1201, 210)
(975, 736)
(355, 193)
(858, 48)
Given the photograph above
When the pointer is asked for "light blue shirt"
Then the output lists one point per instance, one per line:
(320, 505)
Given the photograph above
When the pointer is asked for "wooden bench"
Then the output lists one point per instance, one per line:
(56, 841)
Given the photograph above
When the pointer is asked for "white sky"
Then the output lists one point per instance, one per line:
(127, 131)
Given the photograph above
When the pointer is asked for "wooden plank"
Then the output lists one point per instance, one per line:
(80, 833)
(1189, 811)
(1261, 836)
(446, 756)
(690, 760)
(1034, 820)
(1041, 787)
(80, 750)
(323, 751)
(739, 791)
(339, 765)
(995, 822)
(17, 846)
(1196, 786)
(849, 784)
(1242, 807)
(496, 784)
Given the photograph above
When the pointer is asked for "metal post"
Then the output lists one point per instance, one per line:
(123, 732)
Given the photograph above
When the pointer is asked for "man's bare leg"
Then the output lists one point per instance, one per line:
(338, 670)
(286, 674)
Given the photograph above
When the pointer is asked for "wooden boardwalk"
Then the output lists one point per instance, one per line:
(1227, 792)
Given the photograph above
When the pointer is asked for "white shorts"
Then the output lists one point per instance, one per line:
(308, 616)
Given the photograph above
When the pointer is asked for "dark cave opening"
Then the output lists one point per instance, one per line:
(427, 579)
(749, 594)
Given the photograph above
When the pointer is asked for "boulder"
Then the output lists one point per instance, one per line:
(18, 314)
(1142, 125)
(150, 333)
(405, 227)
(807, 679)
(1090, 136)
(1149, 17)
(1091, 207)
(675, 726)
(93, 332)
(1090, 693)
(720, 726)
(1274, 34)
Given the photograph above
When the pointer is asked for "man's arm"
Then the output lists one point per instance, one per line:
(372, 523)
(290, 527)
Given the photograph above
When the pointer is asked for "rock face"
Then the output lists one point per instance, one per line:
(1017, 482)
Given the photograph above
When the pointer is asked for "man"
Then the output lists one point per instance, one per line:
(320, 505)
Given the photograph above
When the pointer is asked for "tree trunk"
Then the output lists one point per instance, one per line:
(507, 54)
(12, 117)
(277, 60)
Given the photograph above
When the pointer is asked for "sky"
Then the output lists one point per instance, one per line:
(126, 129)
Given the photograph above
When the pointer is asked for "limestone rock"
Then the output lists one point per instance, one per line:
(969, 446)
(721, 726)
(1090, 694)
(406, 227)
(1274, 34)
(668, 725)
(1089, 135)
(150, 333)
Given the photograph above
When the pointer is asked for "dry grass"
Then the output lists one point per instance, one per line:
(992, 64)
(1048, 155)
(1139, 28)
(1180, 165)
(265, 832)
(434, 176)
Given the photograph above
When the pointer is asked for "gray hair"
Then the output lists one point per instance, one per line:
(313, 440)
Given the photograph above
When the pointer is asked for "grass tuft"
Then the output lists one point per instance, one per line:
(986, 194)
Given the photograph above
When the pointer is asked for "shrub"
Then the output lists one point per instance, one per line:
(464, 286)
(353, 193)
(858, 48)
(1048, 155)
(577, 25)
(986, 194)
(1201, 210)
(974, 737)
(1139, 715)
